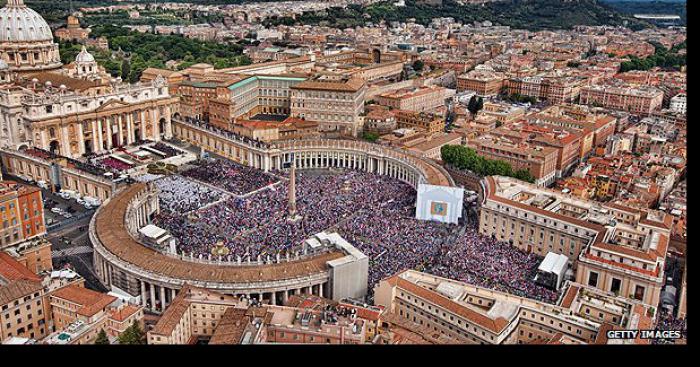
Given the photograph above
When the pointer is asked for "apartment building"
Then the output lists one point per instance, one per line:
(552, 89)
(570, 144)
(335, 104)
(79, 314)
(22, 211)
(200, 315)
(577, 117)
(484, 83)
(541, 162)
(195, 97)
(423, 99)
(473, 315)
(419, 121)
(630, 260)
(641, 100)
(22, 308)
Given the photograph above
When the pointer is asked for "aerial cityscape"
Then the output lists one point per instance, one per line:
(379, 172)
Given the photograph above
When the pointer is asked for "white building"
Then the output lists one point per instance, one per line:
(678, 103)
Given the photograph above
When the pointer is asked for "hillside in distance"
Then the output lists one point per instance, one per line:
(523, 14)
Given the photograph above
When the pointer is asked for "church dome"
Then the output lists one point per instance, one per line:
(18, 23)
(84, 56)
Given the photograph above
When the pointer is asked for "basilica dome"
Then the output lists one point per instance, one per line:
(84, 56)
(26, 42)
(18, 23)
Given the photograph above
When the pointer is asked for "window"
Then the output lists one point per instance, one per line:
(593, 279)
(615, 285)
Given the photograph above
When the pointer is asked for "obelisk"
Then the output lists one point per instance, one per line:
(292, 198)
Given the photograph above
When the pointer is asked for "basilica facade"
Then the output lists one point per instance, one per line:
(71, 110)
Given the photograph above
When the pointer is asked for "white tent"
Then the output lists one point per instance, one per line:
(555, 264)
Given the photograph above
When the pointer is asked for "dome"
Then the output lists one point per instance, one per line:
(18, 23)
(84, 56)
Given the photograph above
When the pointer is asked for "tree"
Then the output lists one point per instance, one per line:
(418, 65)
(370, 136)
(102, 338)
(126, 69)
(132, 335)
(471, 106)
(475, 104)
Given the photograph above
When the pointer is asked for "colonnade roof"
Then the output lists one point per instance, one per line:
(111, 230)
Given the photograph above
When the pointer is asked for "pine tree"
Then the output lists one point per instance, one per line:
(472, 105)
(126, 69)
(102, 338)
(132, 335)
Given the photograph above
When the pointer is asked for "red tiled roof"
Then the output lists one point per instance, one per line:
(12, 270)
(495, 325)
(91, 302)
(124, 313)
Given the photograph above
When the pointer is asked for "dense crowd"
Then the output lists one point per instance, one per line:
(180, 195)
(667, 321)
(374, 213)
(485, 262)
(230, 176)
(166, 149)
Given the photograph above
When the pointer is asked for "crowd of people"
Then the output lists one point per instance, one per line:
(166, 149)
(114, 165)
(667, 321)
(374, 213)
(180, 195)
(230, 176)
(227, 133)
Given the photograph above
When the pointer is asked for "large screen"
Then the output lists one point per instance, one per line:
(439, 203)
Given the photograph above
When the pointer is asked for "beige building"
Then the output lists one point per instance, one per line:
(541, 162)
(335, 104)
(640, 100)
(79, 314)
(22, 308)
(469, 314)
(614, 248)
(485, 83)
(423, 99)
(200, 315)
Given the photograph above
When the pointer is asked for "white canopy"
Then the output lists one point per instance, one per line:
(554, 263)
(152, 231)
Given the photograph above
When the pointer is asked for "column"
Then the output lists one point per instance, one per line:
(44, 143)
(154, 125)
(99, 133)
(142, 125)
(168, 125)
(320, 290)
(96, 144)
(285, 297)
(129, 128)
(120, 134)
(172, 291)
(153, 296)
(273, 298)
(65, 141)
(162, 298)
(143, 293)
(108, 130)
(81, 138)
